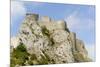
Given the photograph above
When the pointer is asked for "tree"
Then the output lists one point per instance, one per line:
(19, 55)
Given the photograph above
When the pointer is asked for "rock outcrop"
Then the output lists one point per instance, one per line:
(50, 41)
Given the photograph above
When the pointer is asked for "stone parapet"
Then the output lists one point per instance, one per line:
(31, 16)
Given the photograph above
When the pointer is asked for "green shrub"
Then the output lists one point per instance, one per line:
(19, 55)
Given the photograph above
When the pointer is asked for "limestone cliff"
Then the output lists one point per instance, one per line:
(49, 41)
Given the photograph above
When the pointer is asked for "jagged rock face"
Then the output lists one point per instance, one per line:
(51, 40)
(14, 42)
(80, 47)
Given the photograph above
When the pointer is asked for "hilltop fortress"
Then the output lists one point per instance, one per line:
(50, 39)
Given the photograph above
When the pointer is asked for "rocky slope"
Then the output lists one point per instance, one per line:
(48, 42)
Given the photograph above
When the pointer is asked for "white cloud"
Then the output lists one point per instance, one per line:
(74, 22)
(17, 10)
(91, 51)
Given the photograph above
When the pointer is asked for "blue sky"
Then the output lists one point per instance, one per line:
(80, 18)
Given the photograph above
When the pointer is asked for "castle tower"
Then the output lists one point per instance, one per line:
(45, 19)
(73, 40)
(62, 24)
(30, 16)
